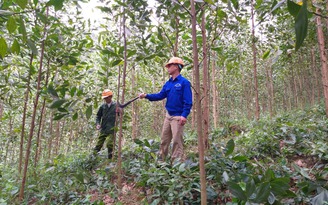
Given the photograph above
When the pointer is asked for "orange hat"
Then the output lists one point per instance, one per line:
(175, 60)
(106, 93)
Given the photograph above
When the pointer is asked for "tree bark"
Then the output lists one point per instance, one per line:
(27, 92)
(215, 100)
(41, 122)
(205, 85)
(119, 158)
(36, 101)
(134, 108)
(323, 58)
(257, 106)
(198, 106)
(50, 136)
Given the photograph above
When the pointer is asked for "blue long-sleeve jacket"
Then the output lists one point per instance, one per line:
(178, 96)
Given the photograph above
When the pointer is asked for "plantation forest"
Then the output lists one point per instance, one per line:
(258, 128)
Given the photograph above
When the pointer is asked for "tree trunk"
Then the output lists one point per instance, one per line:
(270, 90)
(57, 137)
(198, 106)
(41, 121)
(313, 85)
(119, 159)
(193, 113)
(10, 138)
(27, 92)
(215, 100)
(323, 58)
(134, 108)
(205, 85)
(38, 90)
(177, 25)
(50, 136)
(257, 106)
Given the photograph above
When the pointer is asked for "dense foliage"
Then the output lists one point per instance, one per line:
(278, 161)
(54, 63)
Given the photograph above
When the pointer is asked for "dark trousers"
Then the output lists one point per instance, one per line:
(110, 144)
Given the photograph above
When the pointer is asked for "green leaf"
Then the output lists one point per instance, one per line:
(22, 29)
(88, 112)
(279, 186)
(57, 103)
(32, 47)
(262, 193)
(237, 191)
(60, 109)
(269, 175)
(258, 3)
(79, 177)
(266, 54)
(52, 91)
(159, 35)
(21, 3)
(131, 53)
(138, 142)
(250, 188)
(301, 24)
(230, 147)
(293, 8)
(240, 158)
(235, 4)
(58, 4)
(74, 117)
(59, 116)
(114, 63)
(15, 48)
(3, 47)
(146, 143)
(209, 1)
(11, 24)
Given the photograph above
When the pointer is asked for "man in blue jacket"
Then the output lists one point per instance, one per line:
(177, 91)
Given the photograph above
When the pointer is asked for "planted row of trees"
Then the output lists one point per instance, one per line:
(53, 68)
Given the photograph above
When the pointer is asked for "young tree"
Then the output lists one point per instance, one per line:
(198, 105)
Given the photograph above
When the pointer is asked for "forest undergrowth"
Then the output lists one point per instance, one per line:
(271, 161)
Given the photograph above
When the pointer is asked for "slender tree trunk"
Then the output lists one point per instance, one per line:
(205, 85)
(293, 89)
(215, 100)
(119, 159)
(224, 91)
(313, 84)
(57, 137)
(41, 122)
(134, 108)
(198, 106)
(323, 58)
(50, 136)
(270, 90)
(27, 92)
(10, 137)
(177, 25)
(29, 143)
(193, 113)
(257, 106)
